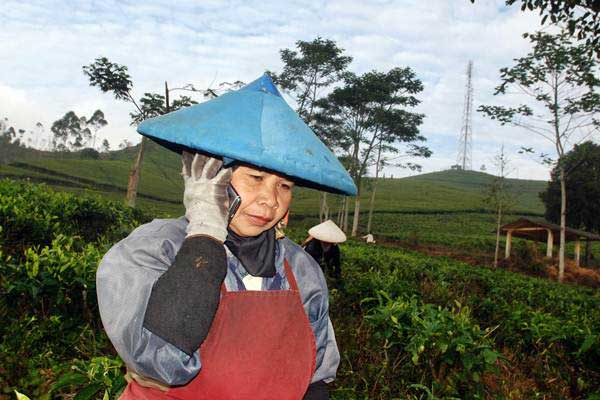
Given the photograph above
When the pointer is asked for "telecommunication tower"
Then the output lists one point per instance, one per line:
(464, 145)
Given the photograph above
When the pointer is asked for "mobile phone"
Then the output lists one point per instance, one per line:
(234, 202)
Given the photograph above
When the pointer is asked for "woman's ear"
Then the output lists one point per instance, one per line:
(286, 218)
(280, 226)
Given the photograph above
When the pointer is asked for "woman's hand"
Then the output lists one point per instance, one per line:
(205, 195)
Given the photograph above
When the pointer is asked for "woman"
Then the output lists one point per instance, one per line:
(213, 306)
(322, 244)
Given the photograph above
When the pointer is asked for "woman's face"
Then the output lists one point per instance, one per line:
(266, 198)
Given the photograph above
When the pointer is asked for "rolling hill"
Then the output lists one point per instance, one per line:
(161, 187)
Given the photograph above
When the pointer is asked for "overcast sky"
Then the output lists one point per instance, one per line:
(44, 44)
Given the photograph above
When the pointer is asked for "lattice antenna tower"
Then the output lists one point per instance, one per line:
(465, 150)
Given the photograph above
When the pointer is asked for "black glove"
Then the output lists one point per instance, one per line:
(317, 391)
(184, 299)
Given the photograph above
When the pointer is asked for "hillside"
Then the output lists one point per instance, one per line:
(160, 186)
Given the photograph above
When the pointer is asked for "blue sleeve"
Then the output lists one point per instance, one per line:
(124, 282)
(315, 299)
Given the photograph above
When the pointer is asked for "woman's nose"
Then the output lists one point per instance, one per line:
(268, 196)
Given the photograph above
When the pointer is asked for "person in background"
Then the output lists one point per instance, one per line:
(368, 238)
(213, 305)
(322, 245)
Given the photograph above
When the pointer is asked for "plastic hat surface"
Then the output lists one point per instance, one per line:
(327, 231)
(256, 126)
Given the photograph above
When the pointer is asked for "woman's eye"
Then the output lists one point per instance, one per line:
(257, 178)
(286, 186)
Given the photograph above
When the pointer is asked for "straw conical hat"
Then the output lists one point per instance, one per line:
(253, 125)
(327, 231)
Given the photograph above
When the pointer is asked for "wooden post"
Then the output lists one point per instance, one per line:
(577, 251)
(508, 244)
(549, 244)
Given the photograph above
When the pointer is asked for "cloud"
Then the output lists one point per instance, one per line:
(45, 44)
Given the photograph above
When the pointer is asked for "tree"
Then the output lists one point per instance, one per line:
(96, 122)
(70, 126)
(114, 78)
(561, 81)
(582, 171)
(369, 110)
(412, 151)
(74, 133)
(105, 146)
(581, 17)
(499, 196)
(125, 144)
(307, 72)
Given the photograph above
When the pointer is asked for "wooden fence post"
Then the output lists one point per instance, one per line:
(549, 244)
(508, 243)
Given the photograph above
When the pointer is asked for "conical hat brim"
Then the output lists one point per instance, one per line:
(327, 231)
(253, 125)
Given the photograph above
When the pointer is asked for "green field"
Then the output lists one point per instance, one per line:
(160, 181)
(443, 208)
(408, 326)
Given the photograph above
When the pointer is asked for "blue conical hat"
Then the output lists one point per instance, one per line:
(256, 126)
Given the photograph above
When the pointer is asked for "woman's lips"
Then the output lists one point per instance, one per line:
(258, 220)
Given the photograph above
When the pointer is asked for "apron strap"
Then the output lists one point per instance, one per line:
(290, 275)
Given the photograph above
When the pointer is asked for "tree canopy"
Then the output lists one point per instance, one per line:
(580, 17)
(560, 82)
(308, 70)
(371, 112)
(582, 169)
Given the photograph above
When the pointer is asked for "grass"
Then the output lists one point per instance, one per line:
(160, 179)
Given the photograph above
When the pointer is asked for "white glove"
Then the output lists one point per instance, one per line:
(205, 195)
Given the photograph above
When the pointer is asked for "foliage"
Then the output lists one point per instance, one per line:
(309, 70)
(52, 343)
(371, 110)
(78, 129)
(562, 80)
(447, 347)
(579, 16)
(582, 166)
(401, 300)
(110, 77)
(33, 215)
(406, 324)
(559, 76)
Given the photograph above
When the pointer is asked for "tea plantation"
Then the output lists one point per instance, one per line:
(408, 325)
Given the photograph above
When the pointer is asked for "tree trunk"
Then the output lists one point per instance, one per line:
(587, 261)
(340, 213)
(167, 106)
(563, 224)
(372, 201)
(346, 209)
(356, 218)
(134, 176)
(498, 225)
(323, 209)
(371, 206)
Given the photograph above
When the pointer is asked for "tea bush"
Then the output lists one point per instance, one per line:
(408, 326)
(34, 214)
(551, 329)
(51, 340)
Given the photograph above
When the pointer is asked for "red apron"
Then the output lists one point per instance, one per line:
(260, 346)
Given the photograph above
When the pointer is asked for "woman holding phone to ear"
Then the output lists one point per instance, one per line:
(214, 305)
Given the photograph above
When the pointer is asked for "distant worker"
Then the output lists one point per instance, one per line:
(322, 245)
(368, 238)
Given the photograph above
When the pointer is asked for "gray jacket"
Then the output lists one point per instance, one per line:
(131, 267)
